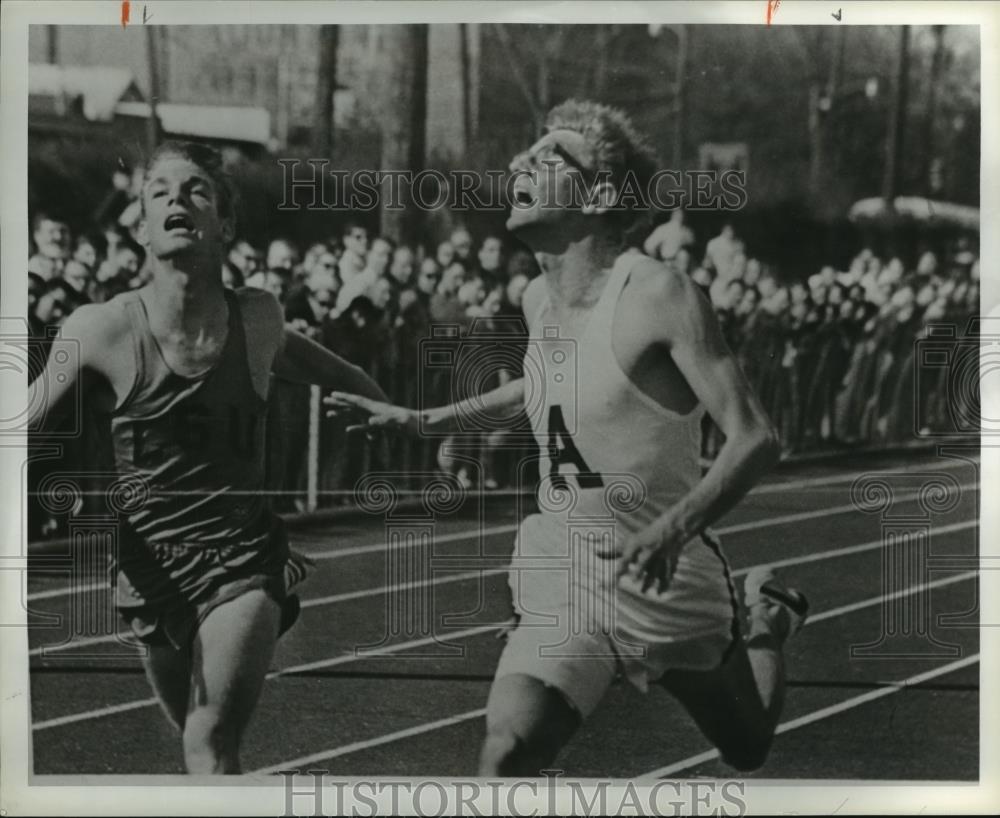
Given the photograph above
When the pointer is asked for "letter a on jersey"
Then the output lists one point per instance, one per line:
(563, 451)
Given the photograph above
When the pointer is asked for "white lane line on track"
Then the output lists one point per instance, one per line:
(300, 763)
(770, 488)
(458, 536)
(351, 657)
(344, 659)
(333, 599)
(484, 572)
(384, 590)
(375, 547)
(813, 482)
(824, 713)
(428, 727)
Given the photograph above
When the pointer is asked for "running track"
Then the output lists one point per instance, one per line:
(414, 706)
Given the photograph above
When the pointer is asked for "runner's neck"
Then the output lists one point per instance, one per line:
(576, 277)
(187, 303)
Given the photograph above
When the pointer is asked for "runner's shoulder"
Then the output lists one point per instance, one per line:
(254, 298)
(534, 295)
(663, 300)
(260, 308)
(98, 326)
(659, 287)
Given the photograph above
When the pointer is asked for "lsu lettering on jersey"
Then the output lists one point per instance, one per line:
(198, 445)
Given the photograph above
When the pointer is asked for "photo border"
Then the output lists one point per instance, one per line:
(179, 795)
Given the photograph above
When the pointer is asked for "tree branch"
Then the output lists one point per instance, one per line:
(519, 77)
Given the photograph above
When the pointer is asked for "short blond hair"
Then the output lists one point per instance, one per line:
(205, 157)
(618, 147)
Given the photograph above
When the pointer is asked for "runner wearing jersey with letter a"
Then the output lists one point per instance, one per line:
(619, 572)
(182, 368)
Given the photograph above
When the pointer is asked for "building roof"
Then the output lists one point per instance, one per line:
(100, 87)
(230, 122)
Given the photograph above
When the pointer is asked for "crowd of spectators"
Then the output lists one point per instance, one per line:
(831, 354)
(367, 298)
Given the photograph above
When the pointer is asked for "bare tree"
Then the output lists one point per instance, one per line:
(466, 68)
(933, 92)
(551, 48)
(680, 97)
(52, 44)
(514, 61)
(404, 122)
(897, 122)
(154, 132)
(602, 46)
(326, 86)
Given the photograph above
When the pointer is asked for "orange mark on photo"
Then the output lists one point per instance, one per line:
(125, 11)
(772, 7)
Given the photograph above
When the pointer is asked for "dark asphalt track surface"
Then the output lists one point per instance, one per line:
(416, 708)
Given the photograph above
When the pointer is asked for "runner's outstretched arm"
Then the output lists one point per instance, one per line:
(73, 369)
(504, 401)
(302, 360)
(479, 412)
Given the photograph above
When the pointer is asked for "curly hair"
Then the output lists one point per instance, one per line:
(618, 149)
(617, 146)
(206, 158)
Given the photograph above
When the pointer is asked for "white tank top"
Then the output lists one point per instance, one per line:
(608, 450)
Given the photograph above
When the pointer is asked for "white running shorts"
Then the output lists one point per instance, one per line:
(577, 629)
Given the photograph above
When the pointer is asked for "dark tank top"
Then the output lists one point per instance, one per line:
(198, 442)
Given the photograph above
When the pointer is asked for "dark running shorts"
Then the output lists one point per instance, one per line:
(166, 590)
(177, 626)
